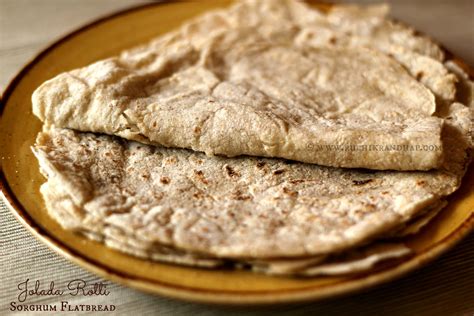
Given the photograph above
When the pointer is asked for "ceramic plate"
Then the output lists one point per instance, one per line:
(20, 182)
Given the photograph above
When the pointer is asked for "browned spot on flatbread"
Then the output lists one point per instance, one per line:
(361, 182)
(279, 171)
(199, 195)
(231, 172)
(290, 192)
(297, 181)
(238, 195)
(200, 175)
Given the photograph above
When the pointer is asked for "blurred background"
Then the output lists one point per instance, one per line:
(26, 26)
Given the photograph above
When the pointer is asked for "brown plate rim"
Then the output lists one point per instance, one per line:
(303, 294)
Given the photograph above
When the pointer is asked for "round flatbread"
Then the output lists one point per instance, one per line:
(330, 89)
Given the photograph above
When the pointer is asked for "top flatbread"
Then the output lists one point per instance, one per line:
(270, 78)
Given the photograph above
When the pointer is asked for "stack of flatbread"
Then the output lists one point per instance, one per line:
(268, 136)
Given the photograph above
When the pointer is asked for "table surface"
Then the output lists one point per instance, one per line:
(445, 287)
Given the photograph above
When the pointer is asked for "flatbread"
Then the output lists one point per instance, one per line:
(115, 238)
(240, 207)
(417, 224)
(273, 216)
(353, 261)
(345, 89)
(356, 261)
(350, 261)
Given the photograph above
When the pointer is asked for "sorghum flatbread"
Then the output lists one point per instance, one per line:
(274, 79)
(350, 261)
(241, 207)
(269, 215)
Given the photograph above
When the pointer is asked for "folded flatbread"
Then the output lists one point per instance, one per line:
(347, 88)
(240, 207)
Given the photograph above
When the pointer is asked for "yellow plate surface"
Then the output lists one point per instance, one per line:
(20, 181)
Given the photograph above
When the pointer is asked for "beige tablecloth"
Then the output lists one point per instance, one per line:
(445, 287)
